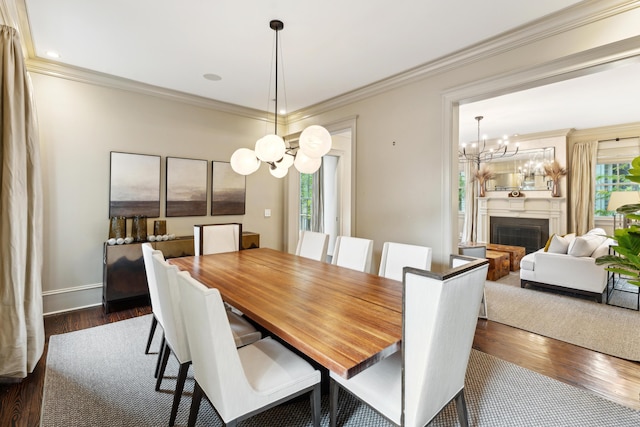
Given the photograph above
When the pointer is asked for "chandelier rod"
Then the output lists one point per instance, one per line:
(276, 25)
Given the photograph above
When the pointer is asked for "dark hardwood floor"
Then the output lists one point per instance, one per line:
(615, 379)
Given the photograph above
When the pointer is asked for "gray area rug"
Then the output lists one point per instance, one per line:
(101, 377)
(601, 327)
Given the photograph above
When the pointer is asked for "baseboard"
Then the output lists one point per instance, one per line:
(68, 299)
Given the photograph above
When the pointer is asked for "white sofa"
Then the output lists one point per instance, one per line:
(568, 263)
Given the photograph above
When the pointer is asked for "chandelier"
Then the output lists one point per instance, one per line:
(478, 151)
(314, 142)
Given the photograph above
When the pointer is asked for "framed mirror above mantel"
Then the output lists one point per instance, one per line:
(523, 171)
(537, 148)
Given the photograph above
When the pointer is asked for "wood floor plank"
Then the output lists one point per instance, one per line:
(615, 379)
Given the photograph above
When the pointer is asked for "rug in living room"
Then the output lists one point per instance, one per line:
(601, 327)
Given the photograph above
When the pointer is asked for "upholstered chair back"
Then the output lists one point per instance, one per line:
(440, 313)
(147, 254)
(396, 256)
(216, 238)
(313, 245)
(354, 253)
(169, 297)
(216, 365)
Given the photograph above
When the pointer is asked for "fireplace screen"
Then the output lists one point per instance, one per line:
(531, 233)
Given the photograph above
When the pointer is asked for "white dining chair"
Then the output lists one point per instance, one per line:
(396, 256)
(353, 252)
(217, 238)
(239, 383)
(175, 333)
(313, 245)
(476, 251)
(156, 318)
(457, 261)
(439, 317)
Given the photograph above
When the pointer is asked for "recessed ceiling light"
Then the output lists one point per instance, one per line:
(53, 54)
(212, 77)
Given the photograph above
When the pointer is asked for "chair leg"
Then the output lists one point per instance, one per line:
(154, 323)
(196, 398)
(177, 395)
(334, 389)
(159, 362)
(166, 351)
(461, 408)
(315, 405)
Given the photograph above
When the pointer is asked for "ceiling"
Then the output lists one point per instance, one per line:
(329, 48)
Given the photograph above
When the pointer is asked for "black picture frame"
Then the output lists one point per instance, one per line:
(228, 190)
(134, 185)
(186, 189)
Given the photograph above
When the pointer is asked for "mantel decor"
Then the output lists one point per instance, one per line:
(482, 175)
(555, 172)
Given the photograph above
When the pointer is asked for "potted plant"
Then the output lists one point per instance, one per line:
(625, 259)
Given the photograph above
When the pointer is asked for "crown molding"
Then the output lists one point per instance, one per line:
(569, 18)
(82, 75)
(564, 20)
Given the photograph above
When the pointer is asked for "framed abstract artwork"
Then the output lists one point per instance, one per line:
(186, 187)
(228, 190)
(134, 186)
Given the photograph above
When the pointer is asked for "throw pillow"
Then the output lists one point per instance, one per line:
(558, 245)
(585, 245)
(596, 231)
(546, 246)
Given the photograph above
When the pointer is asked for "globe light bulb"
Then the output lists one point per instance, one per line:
(306, 164)
(270, 148)
(244, 161)
(315, 141)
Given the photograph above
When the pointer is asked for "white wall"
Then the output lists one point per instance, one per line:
(79, 125)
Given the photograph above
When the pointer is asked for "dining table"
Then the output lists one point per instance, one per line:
(343, 319)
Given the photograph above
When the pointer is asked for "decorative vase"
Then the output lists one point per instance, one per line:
(555, 188)
(482, 188)
(160, 227)
(139, 229)
(117, 227)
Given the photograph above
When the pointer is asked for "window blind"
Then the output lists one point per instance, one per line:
(618, 151)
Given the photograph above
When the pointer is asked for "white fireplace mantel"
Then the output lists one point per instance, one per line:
(552, 208)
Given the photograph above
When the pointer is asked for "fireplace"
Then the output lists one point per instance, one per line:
(525, 212)
(531, 233)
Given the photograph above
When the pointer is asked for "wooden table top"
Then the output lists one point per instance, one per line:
(343, 319)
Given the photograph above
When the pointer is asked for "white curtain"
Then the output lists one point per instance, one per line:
(21, 321)
(470, 227)
(582, 175)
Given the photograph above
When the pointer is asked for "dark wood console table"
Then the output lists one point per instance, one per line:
(124, 278)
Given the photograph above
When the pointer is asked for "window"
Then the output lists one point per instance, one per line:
(611, 177)
(462, 185)
(306, 201)
(614, 162)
